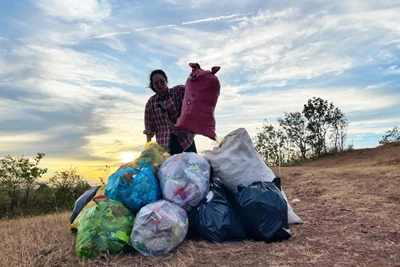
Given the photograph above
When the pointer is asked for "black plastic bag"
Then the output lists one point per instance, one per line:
(217, 185)
(263, 211)
(216, 220)
(82, 201)
(192, 229)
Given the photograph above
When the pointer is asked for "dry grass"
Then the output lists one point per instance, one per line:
(350, 205)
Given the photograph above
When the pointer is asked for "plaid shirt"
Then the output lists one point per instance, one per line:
(156, 122)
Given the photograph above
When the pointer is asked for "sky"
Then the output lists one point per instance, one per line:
(74, 74)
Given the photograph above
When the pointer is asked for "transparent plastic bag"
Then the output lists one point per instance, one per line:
(159, 227)
(185, 179)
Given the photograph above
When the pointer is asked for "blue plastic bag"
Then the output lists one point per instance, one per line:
(133, 187)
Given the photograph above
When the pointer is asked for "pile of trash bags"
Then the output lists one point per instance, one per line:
(227, 194)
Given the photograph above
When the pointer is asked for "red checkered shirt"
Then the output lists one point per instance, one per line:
(156, 122)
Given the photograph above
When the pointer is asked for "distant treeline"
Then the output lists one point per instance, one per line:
(319, 129)
(22, 194)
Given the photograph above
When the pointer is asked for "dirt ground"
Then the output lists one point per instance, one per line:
(349, 204)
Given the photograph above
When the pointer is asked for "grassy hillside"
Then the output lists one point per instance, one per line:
(349, 203)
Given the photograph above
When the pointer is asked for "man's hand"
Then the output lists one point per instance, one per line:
(149, 136)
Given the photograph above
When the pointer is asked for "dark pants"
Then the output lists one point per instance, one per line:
(176, 148)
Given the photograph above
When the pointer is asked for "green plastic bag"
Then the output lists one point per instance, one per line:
(104, 227)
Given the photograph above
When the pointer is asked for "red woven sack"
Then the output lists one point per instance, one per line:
(201, 94)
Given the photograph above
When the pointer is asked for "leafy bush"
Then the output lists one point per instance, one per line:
(391, 136)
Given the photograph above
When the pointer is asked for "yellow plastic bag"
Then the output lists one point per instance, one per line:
(152, 154)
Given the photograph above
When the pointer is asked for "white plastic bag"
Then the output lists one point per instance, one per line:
(237, 162)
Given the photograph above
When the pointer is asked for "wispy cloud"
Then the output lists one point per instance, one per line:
(111, 34)
(279, 46)
(393, 69)
(52, 63)
(187, 3)
(10, 140)
(210, 19)
(156, 27)
(75, 10)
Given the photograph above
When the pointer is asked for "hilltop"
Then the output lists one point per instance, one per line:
(388, 154)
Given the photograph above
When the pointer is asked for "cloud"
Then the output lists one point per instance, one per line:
(393, 70)
(52, 63)
(17, 139)
(77, 124)
(111, 34)
(122, 117)
(156, 27)
(254, 108)
(75, 10)
(187, 3)
(210, 19)
(289, 46)
(61, 92)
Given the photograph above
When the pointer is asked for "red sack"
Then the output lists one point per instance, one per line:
(201, 94)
